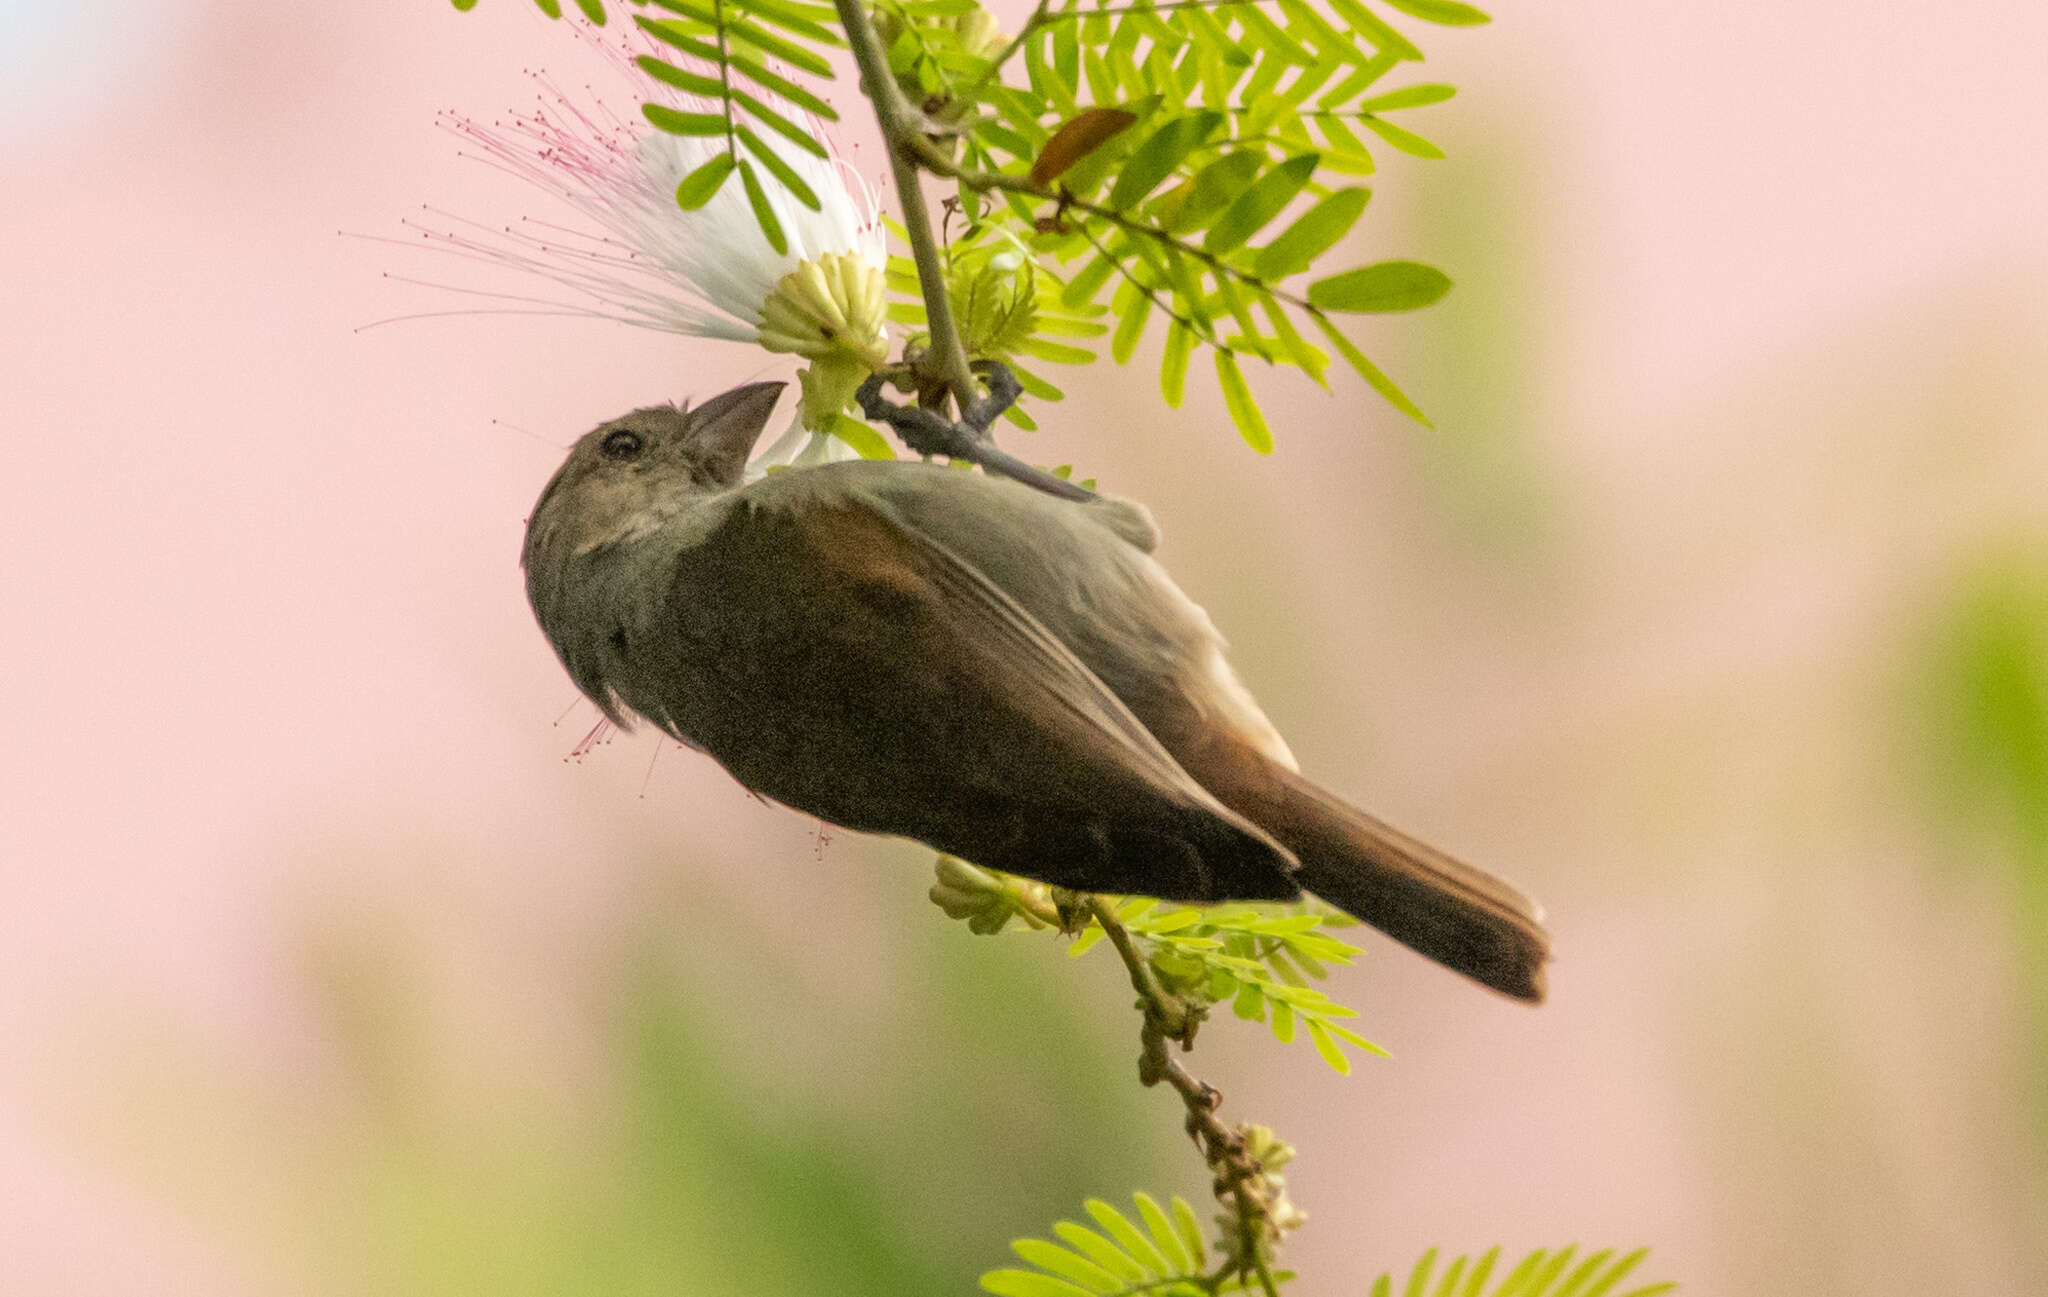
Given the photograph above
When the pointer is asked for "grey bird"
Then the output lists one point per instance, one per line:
(907, 649)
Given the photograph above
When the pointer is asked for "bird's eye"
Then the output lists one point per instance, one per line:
(622, 443)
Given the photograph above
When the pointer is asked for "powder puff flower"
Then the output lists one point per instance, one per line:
(707, 273)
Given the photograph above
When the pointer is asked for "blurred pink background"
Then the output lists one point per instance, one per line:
(1738, 401)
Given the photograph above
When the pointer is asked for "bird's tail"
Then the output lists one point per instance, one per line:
(1461, 917)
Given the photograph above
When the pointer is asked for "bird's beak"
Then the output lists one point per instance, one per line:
(724, 429)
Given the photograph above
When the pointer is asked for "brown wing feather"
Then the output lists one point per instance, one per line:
(901, 692)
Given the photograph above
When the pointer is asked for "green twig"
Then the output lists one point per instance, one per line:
(982, 181)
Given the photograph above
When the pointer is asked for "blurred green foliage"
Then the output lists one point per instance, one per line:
(688, 1142)
(1985, 696)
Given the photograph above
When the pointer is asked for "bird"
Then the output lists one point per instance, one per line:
(902, 648)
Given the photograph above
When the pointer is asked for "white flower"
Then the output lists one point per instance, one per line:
(638, 258)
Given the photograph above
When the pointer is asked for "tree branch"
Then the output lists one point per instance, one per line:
(1170, 1018)
(902, 131)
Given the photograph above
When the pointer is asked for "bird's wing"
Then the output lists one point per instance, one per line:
(846, 663)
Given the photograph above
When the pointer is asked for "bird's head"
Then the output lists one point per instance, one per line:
(629, 475)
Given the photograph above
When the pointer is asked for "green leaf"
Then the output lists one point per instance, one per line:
(1066, 56)
(1328, 1048)
(1155, 159)
(1418, 1278)
(679, 123)
(1371, 373)
(701, 184)
(779, 168)
(1068, 1265)
(679, 37)
(738, 30)
(1173, 368)
(1406, 141)
(815, 23)
(755, 71)
(1057, 353)
(1408, 97)
(1215, 187)
(866, 442)
(1323, 36)
(1029, 1283)
(1480, 1272)
(1170, 1245)
(1448, 1285)
(1576, 1282)
(1252, 209)
(1129, 327)
(692, 82)
(1038, 389)
(1081, 135)
(1283, 1022)
(1346, 153)
(1547, 1273)
(1127, 1235)
(1190, 1228)
(1100, 1250)
(593, 10)
(1271, 37)
(1446, 13)
(1347, 1034)
(1384, 286)
(1249, 1003)
(1312, 235)
(781, 125)
(1244, 411)
(1374, 29)
(771, 227)
(1616, 1273)
(465, 5)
